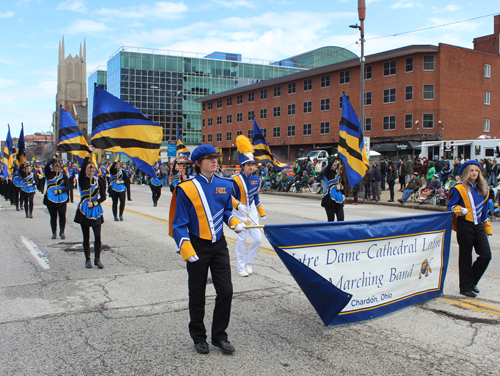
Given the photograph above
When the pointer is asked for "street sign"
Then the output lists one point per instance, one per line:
(172, 149)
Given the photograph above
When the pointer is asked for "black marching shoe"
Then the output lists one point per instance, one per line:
(54, 235)
(31, 215)
(98, 263)
(116, 219)
(86, 251)
(476, 290)
(97, 255)
(61, 234)
(27, 215)
(121, 218)
(88, 264)
(225, 346)
(201, 347)
(17, 208)
(468, 293)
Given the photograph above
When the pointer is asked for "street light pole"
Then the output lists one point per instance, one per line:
(361, 14)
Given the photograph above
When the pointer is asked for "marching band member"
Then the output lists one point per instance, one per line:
(56, 197)
(176, 176)
(71, 173)
(103, 170)
(117, 188)
(89, 212)
(127, 175)
(155, 185)
(39, 170)
(333, 198)
(30, 182)
(247, 207)
(198, 209)
(17, 182)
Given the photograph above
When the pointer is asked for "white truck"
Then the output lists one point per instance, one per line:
(464, 149)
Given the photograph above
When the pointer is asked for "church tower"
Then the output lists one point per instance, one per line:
(72, 88)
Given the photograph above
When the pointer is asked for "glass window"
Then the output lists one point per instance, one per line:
(251, 115)
(368, 72)
(239, 117)
(409, 64)
(203, 138)
(277, 111)
(209, 138)
(291, 109)
(238, 133)
(307, 107)
(291, 131)
(210, 122)
(276, 132)
(277, 91)
(487, 70)
(308, 84)
(239, 99)
(408, 93)
(368, 125)
(263, 113)
(263, 94)
(229, 101)
(345, 77)
(307, 129)
(229, 119)
(219, 120)
(325, 81)
(390, 95)
(487, 97)
(390, 68)
(291, 88)
(324, 127)
(250, 134)
(428, 121)
(340, 101)
(368, 98)
(210, 106)
(251, 96)
(486, 125)
(219, 137)
(428, 91)
(389, 123)
(429, 62)
(202, 122)
(325, 104)
(219, 103)
(408, 121)
(203, 107)
(228, 136)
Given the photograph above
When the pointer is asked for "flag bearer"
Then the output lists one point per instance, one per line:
(30, 182)
(198, 209)
(155, 185)
(117, 188)
(247, 207)
(56, 196)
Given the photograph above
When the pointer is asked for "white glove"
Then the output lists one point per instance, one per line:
(193, 258)
(464, 211)
(489, 236)
(263, 218)
(239, 227)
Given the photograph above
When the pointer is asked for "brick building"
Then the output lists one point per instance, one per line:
(412, 94)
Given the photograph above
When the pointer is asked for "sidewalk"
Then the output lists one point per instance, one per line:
(383, 199)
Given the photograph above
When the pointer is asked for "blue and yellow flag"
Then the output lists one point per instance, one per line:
(6, 154)
(21, 148)
(181, 149)
(71, 138)
(262, 152)
(352, 149)
(120, 127)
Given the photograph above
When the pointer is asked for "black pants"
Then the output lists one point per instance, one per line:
(216, 257)
(121, 197)
(41, 185)
(127, 187)
(391, 191)
(71, 187)
(28, 202)
(55, 211)
(86, 234)
(335, 210)
(16, 191)
(156, 192)
(470, 235)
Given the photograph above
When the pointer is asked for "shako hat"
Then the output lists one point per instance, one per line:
(245, 148)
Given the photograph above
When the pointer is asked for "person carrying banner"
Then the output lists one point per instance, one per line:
(155, 184)
(333, 197)
(17, 182)
(89, 212)
(56, 196)
(247, 207)
(468, 201)
(28, 187)
(197, 210)
(117, 188)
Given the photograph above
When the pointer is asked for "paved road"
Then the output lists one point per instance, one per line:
(58, 318)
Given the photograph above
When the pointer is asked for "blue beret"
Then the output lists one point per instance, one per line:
(201, 151)
(468, 163)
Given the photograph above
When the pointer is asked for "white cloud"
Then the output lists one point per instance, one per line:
(6, 14)
(162, 10)
(73, 5)
(4, 82)
(448, 8)
(234, 4)
(86, 26)
(403, 4)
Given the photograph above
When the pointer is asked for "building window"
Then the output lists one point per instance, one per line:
(408, 121)
(264, 132)
(209, 138)
(239, 133)
(203, 107)
(277, 111)
(263, 94)
(210, 122)
(239, 117)
(487, 70)
(210, 106)
(251, 96)
(487, 97)
(308, 84)
(229, 101)
(389, 123)
(429, 62)
(308, 107)
(239, 99)
(263, 113)
(409, 64)
(324, 127)
(487, 125)
(219, 120)
(202, 122)
(345, 77)
(202, 138)
(277, 91)
(251, 115)
(428, 91)
(219, 103)
(307, 129)
(340, 101)
(325, 104)
(368, 98)
(276, 132)
(368, 72)
(390, 68)
(219, 137)
(250, 134)
(229, 136)
(229, 119)
(291, 131)
(408, 93)
(325, 81)
(291, 109)
(390, 95)
(428, 121)
(291, 88)
(368, 125)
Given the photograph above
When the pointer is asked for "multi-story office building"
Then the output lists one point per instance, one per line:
(98, 77)
(164, 87)
(411, 94)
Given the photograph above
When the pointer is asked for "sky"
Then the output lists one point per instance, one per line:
(266, 30)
